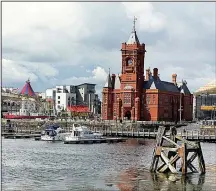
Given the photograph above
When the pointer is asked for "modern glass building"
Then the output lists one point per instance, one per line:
(205, 101)
(205, 106)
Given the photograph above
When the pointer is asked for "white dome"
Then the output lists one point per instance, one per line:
(208, 86)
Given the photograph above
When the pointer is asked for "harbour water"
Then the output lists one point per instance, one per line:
(42, 166)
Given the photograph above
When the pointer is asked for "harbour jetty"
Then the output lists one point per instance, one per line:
(126, 129)
(191, 135)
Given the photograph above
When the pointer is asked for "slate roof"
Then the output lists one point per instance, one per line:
(117, 83)
(153, 83)
(185, 89)
(108, 83)
(133, 39)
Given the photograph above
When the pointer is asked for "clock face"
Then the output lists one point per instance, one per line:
(129, 62)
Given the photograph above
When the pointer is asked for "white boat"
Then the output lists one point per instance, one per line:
(53, 133)
(82, 133)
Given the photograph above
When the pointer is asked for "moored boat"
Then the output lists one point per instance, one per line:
(53, 133)
(80, 132)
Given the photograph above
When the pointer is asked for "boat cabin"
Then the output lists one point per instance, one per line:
(52, 130)
(82, 131)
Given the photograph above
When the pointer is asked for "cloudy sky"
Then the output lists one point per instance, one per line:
(70, 43)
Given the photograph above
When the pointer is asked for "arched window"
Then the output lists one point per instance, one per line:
(129, 61)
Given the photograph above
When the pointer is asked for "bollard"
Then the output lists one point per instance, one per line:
(197, 135)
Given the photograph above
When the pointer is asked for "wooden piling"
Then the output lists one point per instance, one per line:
(175, 152)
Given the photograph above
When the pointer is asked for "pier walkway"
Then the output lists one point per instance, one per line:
(193, 135)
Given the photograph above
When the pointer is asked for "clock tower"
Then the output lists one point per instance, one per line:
(133, 54)
(132, 76)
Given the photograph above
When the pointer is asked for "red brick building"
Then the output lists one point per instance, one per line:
(136, 96)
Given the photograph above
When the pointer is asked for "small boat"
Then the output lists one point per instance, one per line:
(82, 133)
(53, 133)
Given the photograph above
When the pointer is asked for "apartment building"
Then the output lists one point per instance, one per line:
(69, 95)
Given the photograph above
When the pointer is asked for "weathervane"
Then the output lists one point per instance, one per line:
(134, 24)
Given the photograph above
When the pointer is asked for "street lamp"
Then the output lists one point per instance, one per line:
(180, 105)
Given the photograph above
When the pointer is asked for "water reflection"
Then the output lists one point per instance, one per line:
(28, 165)
(142, 179)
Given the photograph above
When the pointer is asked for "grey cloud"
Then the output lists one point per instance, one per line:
(169, 49)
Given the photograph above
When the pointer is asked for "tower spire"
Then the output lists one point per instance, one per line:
(133, 39)
(134, 24)
(108, 83)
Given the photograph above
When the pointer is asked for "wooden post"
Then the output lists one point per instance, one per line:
(156, 152)
(184, 159)
(201, 159)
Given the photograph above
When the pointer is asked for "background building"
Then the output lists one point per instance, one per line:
(70, 95)
(131, 95)
(205, 101)
(23, 103)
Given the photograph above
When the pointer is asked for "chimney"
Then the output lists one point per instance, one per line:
(155, 73)
(147, 74)
(113, 81)
(174, 76)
